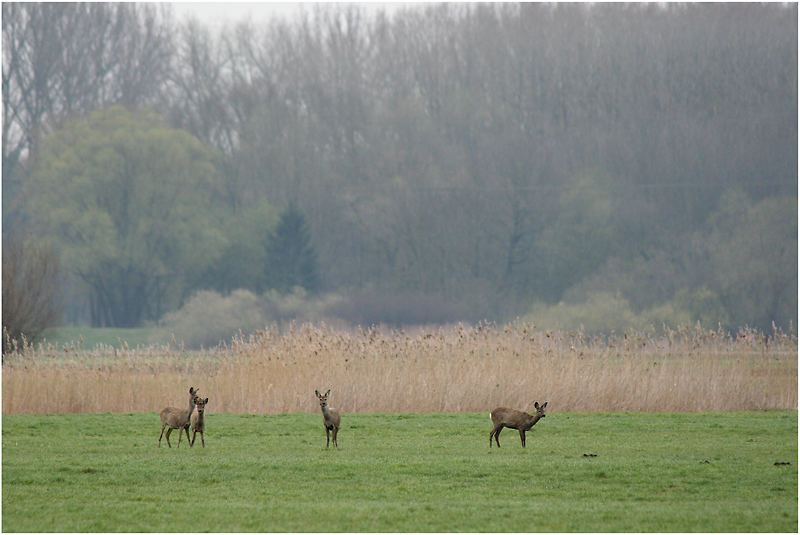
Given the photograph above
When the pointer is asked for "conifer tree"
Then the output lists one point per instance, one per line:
(291, 259)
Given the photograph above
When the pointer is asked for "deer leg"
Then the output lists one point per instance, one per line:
(161, 435)
(203, 438)
(180, 434)
(328, 434)
(335, 432)
(194, 435)
(168, 432)
(522, 436)
(187, 433)
(496, 435)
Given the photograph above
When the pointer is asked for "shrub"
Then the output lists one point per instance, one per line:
(297, 305)
(30, 291)
(601, 312)
(209, 318)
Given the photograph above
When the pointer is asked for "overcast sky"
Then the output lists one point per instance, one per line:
(217, 14)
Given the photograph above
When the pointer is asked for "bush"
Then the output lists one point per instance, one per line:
(30, 292)
(297, 305)
(603, 312)
(704, 306)
(209, 318)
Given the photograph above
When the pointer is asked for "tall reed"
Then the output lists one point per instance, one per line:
(452, 369)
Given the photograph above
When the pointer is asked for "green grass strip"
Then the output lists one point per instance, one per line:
(404, 472)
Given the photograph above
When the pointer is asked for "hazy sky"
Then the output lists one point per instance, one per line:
(216, 14)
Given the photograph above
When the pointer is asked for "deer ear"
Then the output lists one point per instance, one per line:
(544, 405)
(317, 393)
(192, 390)
(206, 400)
(328, 392)
(536, 405)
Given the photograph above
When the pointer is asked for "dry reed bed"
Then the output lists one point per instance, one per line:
(449, 369)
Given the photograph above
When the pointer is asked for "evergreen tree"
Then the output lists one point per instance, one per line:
(291, 259)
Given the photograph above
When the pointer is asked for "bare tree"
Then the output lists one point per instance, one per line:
(63, 59)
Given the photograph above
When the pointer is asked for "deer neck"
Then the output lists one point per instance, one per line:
(189, 414)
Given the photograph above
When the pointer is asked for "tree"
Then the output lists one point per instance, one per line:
(60, 59)
(443, 149)
(291, 258)
(244, 253)
(582, 237)
(30, 291)
(754, 255)
(132, 206)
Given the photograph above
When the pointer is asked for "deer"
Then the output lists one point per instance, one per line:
(177, 419)
(198, 420)
(514, 419)
(330, 418)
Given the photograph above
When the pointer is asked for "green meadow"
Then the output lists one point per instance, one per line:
(662, 472)
(90, 337)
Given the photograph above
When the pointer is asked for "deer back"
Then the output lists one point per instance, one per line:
(517, 419)
(510, 417)
(175, 417)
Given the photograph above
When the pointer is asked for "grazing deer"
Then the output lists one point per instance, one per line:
(330, 418)
(514, 419)
(177, 419)
(199, 422)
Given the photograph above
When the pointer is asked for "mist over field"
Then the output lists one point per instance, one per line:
(593, 167)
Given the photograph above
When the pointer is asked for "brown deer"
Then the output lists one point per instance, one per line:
(199, 422)
(177, 419)
(330, 418)
(514, 419)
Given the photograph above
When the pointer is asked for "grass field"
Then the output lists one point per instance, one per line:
(404, 472)
(91, 337)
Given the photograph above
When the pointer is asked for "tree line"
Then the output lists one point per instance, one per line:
(506, 159)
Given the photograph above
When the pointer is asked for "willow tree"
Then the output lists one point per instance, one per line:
(132, 206)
